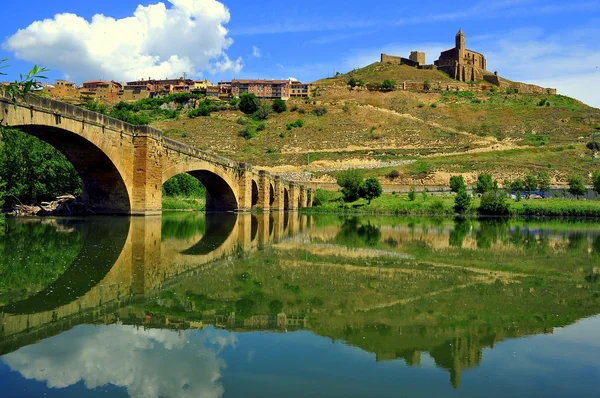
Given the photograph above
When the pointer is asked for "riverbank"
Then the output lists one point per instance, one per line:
(443, 205)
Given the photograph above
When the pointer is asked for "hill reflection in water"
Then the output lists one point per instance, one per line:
(416, 290)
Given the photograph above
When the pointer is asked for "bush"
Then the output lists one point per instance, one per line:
(294, 108)
(261, 127)
(462, 201)
(351, 182)
(319, 111)
(457, 183)
(248, 132)
(393, 174)
(321, 197)
(427, 85)
(302, 111)
(279, 105)
(249, 103)
(241, 121)
(263, 111)
(388, 85)
(201, 111)
(184, 185)
(493, 203)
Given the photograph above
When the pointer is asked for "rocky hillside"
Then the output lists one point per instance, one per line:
(443, 131)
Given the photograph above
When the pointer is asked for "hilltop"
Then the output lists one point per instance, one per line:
(464, 131)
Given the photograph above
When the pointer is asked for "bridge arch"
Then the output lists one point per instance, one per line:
(254, 193)
(222, 191)
(104, 184)
(286, 199)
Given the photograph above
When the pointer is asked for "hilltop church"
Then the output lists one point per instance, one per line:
(458, 62)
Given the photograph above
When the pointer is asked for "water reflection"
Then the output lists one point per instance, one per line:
(411, 290)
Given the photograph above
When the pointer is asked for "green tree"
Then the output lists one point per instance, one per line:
(279, 105)
(577, 186)
(457, 183)
(412, 193)
(34, 170)
(351, 182)
(531, 184)
(388, 85)
(518, 186)
(485, 183)
(371, 189)
(544, 181)
(184, 185)
(248, 103)
(493, 203)
(263, 111)
(595, 181)
(462, 201)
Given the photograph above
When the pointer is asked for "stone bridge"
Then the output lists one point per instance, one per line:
(123, 167)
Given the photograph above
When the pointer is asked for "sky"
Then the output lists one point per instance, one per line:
(545, 42)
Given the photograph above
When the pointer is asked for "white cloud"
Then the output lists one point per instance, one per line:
(155, 41)
(256, 52)
(148, 363)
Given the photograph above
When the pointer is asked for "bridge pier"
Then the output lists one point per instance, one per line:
(294, 198)
(264, 190)
(146, 192)
(279, 200)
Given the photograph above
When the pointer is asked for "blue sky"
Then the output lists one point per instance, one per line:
(546, 42)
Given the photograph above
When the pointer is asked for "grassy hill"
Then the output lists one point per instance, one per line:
(449, 132)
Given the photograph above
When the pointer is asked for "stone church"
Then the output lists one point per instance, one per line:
(461, 63)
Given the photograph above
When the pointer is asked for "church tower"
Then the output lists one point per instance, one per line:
(461, 45)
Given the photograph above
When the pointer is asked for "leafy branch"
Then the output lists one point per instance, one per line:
(26, 83)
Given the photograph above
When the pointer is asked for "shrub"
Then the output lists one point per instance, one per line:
(299, 123)
(493, 203)
(427, 85)
(261, 127)
(393, 174)
(247, 132)
(321, 197)
(241, 121)
(279, 105)
(457, 183)
(319, 111)
(282, 135)
(294, 108)
(201, 111)
(302, 111)
(388, 85)
(263, 111)
(248, 103)
(462, 201)
(345, 108)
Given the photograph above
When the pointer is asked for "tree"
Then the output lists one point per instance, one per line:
(248, 103)
(493, 203)
(412, 193)
(371, 189)
(263, 111)
(462, 201)
(518, 186)
(530, 183)
(279, 105)
(484, 183)
(457, 183)
(577, 186)
(350, 181)
(388, 85)
(544, 181)
(595, 181)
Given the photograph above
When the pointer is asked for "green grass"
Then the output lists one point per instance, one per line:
(442, 205)
(181, 203)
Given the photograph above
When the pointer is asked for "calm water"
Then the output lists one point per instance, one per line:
(185, 305)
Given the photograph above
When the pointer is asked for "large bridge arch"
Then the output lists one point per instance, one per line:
(104, 182)
(222, 190)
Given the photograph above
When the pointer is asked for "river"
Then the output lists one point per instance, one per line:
(226, 305)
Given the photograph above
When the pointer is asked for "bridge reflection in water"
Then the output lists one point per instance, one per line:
(362, 281)
(122, 260)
